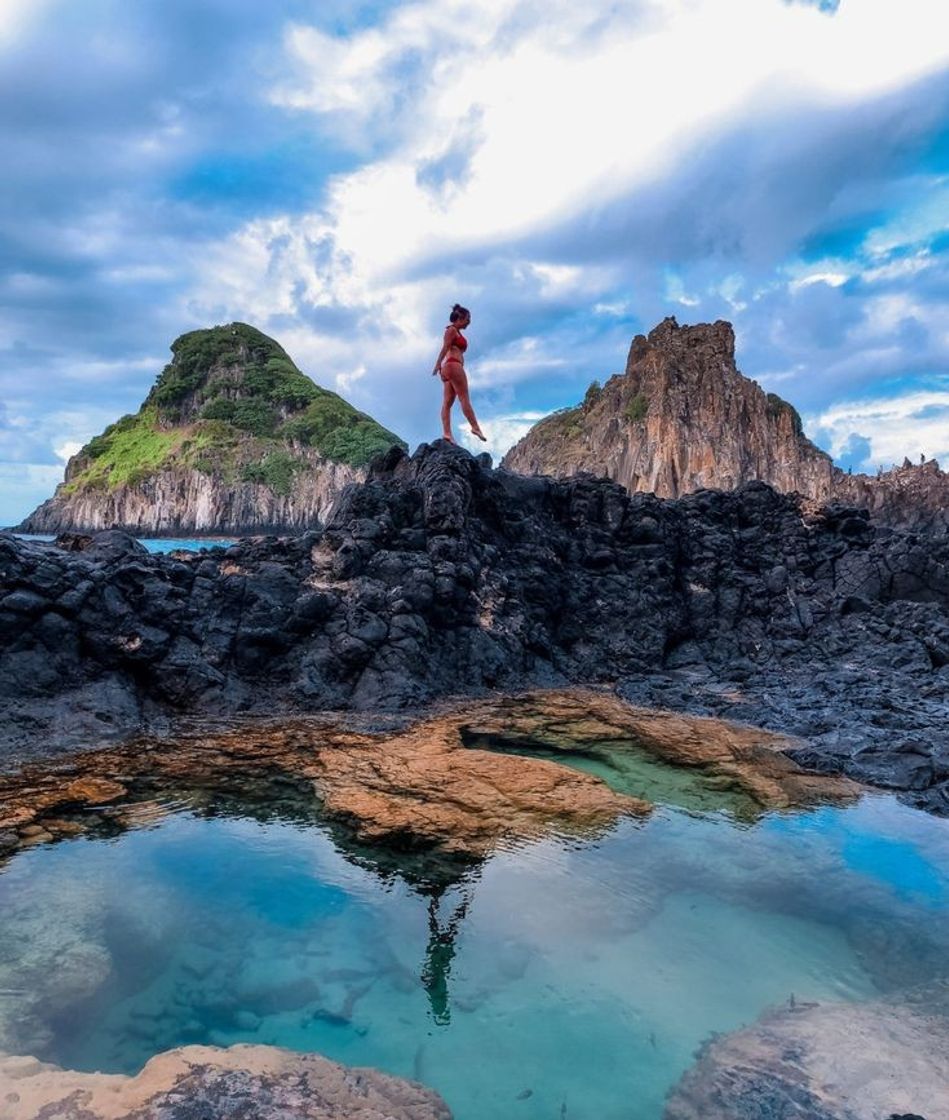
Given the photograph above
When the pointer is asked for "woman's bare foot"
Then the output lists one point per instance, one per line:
(448, 438)
(478, 432)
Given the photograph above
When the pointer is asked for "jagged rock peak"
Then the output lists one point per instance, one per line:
(232, 437)
(669, 335)
(682, 417)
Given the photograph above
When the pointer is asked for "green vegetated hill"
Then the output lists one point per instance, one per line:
(230, 403)
(232, 437)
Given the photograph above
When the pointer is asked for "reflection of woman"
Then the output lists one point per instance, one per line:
(451, 365)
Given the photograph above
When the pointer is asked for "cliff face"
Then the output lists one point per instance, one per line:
(231, 438)
(682, 418)
(181, 500)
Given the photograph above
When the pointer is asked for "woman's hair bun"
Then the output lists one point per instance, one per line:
(458, 312)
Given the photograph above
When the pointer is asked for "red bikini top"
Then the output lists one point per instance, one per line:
(459, 340)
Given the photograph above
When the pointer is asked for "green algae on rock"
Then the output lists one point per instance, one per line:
(232, 437)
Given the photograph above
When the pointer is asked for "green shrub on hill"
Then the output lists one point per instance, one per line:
(564, 423)
(132, 447)
(637, 408)
(275, 470)
(229, 397)
(777, 405)
(338, 431)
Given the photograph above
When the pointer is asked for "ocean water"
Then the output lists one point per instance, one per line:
(157, 544)
(560, 978)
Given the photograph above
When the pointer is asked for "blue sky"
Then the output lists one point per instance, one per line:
(338, 174)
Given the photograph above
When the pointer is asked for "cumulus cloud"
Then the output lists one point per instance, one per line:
(505, 431)
(912, 424)
(22, 488)
(693, 203)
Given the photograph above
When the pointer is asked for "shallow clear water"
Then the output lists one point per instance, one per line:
(629, 767)
(561, 978)
(157, 544)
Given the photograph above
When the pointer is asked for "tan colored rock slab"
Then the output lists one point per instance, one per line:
(422, 787)
(239, 1083)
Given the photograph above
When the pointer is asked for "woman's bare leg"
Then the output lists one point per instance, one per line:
(447, 401)
(465, 401)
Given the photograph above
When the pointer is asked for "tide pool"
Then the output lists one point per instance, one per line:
(560, 978)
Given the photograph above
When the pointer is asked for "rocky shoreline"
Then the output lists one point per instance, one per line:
(440, 576)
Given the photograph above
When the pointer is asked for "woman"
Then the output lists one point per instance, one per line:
(451, 365)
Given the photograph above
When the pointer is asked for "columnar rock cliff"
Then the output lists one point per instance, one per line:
(682, 418)
(231, 438)
(438, 576)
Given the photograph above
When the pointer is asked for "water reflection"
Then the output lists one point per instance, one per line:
(583, 974)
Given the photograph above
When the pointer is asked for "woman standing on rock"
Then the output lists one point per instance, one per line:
(451, 365)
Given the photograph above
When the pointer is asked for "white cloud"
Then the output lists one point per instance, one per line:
(17, 16)
(65, 451)
(914, 424)
(502, 432)
(834, 279)
(23, 486)
(575, 106)
(914, 225)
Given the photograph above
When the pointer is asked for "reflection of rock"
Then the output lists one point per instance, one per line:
(823, 1062)
(243, 1082)
(440, 575)
(422, 788)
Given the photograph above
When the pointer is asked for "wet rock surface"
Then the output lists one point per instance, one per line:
(209, 1083)
(866, 1061)
(422, 788)
(440, 576)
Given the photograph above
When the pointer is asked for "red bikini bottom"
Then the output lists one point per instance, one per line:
(455, 375)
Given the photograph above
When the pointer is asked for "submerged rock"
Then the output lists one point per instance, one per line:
(854, 1061)
(210, 1083)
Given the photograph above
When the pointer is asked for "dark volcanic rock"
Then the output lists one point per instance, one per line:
(440, 576)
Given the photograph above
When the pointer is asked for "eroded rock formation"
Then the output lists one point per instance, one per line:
(439, 576)
(682, 418)
(241, 1083)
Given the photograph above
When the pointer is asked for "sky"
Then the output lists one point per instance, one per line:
(338, 174)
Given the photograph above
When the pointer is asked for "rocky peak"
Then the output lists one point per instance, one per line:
(213, 371)
(682, 417)
(232, 437)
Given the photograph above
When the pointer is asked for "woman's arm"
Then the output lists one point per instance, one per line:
(449, 339)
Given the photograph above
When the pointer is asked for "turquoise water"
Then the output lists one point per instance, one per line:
(560, 978)
(157, 544)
